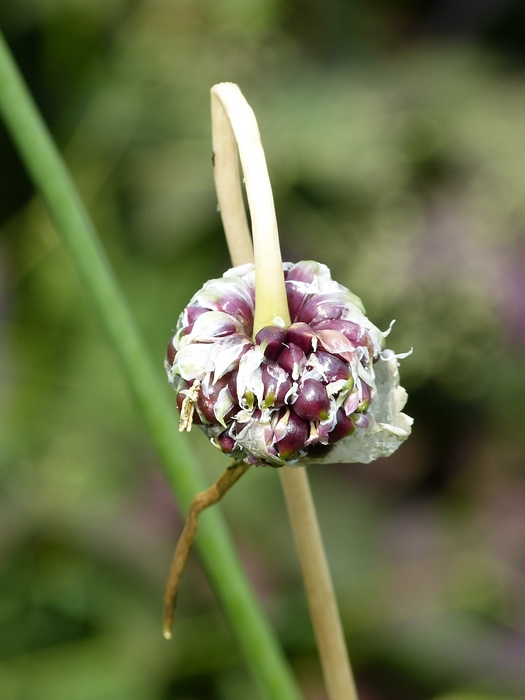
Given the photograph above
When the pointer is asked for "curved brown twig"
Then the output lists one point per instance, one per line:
(201, 501)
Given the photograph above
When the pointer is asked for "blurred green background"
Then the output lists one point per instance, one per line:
(395, 137)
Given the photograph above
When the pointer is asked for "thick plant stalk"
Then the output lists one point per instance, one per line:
(233, 117)
(80, 240)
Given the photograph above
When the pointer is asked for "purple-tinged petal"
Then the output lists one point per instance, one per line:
(224, 406)
(364, 373)
(192, 313)
(228, 299)
(337, 344)
(307, 271)
(187, 321)
(256, 437)
(209, 395)
(210, 326)
(230, 296)
(351, 402)
(250, 387)
(360, 420)
(353, 331)
(226, 353)
(317, 280)
(192, 360)
(339, 388)
(366, 397)
(325, 426)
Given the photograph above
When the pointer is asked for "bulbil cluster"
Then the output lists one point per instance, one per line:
(289, 393)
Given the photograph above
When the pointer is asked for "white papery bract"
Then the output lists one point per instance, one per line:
(323, 390)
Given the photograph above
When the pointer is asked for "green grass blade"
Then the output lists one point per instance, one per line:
(80, 240)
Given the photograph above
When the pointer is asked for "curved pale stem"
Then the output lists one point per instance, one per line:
(320, 594)
(200, 502)
(233, 121)
(229, 105)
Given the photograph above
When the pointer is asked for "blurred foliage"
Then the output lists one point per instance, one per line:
(395, 134)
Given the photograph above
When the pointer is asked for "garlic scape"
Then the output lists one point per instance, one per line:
(323, 389)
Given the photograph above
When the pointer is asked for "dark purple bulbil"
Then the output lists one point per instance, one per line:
(292, 359)
(272, 338)
(343, 427)
(312, 402)
(297, 431)
(238, 308)
(301, 334)
(226, 442)
(170, 353)
(296, 298)
(333, 368)
(208, 396)
(322, 307)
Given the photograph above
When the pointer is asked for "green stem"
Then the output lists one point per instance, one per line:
(80, 240)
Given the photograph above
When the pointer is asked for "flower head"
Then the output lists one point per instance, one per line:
(323, 389)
